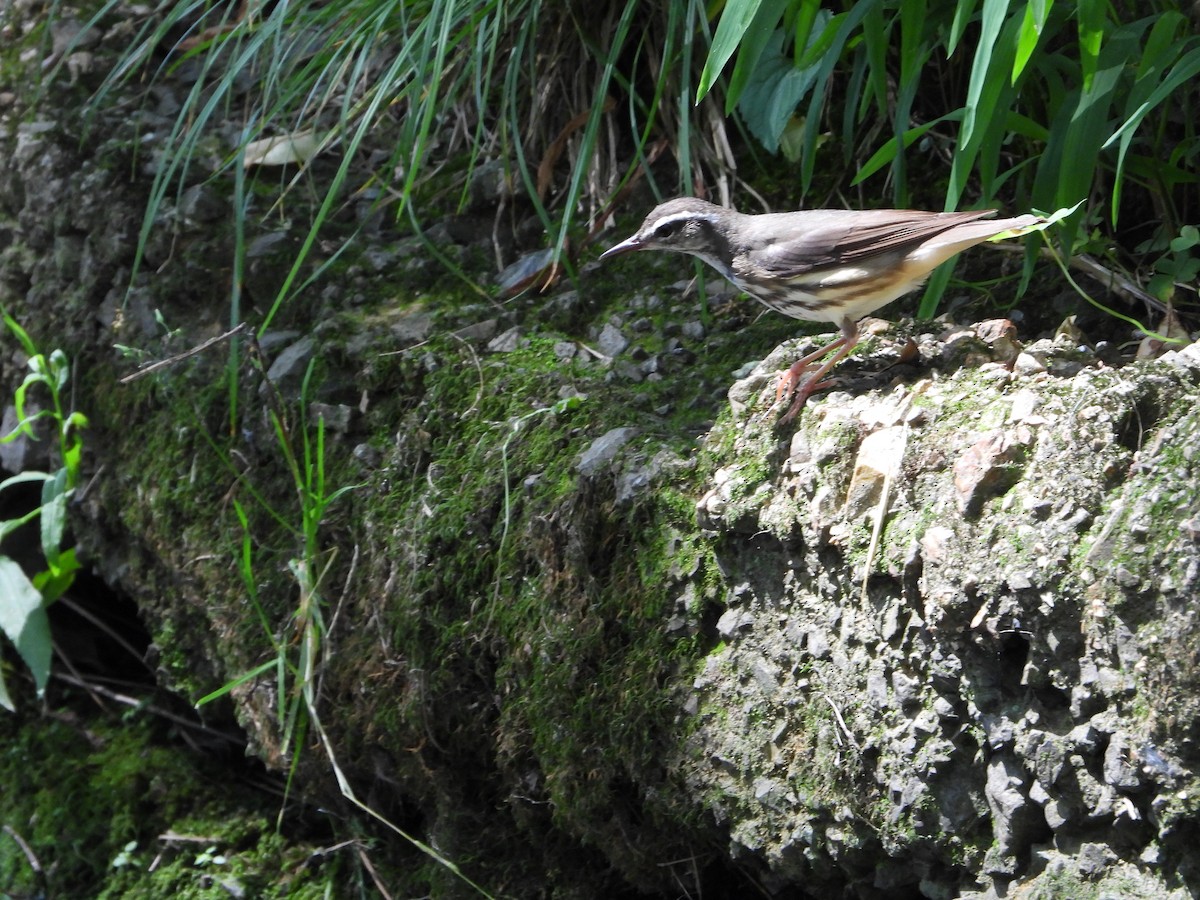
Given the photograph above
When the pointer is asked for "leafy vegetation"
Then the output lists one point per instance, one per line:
(23, 608)
(1026, 104)
(1039, 104)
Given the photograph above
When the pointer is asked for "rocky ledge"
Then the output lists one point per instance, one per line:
(957, 655)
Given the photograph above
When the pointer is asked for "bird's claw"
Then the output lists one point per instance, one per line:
(799, 396)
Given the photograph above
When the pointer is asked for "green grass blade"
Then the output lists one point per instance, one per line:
(977, 107)
(915, 50)
(989, 94)
(839, 29)
(1032, 25)
(592, 129)
(236, 683)
(934, 289)
(1068, 165)
(964, 12)
(687, 47)
(735, 21)
(1183, 72)
(1092, 16)
(802, 26)
(875, 41)
(750, 49)
(888, 152)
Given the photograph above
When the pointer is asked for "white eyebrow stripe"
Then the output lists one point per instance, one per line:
(681, 217)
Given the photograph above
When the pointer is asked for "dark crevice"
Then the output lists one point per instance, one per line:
(1132, 429)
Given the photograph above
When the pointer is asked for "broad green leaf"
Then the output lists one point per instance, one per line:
(769, 100)
(750, 50)
(772, 94)
(1189, 237)
(23, 620)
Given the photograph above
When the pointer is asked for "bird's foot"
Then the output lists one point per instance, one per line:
(795, 387)
(797, 384)
(801, 395)
(790, 379)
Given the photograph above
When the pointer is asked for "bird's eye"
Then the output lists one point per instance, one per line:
(665, 230)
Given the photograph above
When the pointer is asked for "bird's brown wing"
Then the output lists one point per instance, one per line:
(835, 237)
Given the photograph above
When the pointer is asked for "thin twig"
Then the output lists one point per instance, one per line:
(186, 354)
(26, 849)
(76, 677)
(1116, 282)
(88, 487)
(97, 623)
(148, 707)
(366, 863)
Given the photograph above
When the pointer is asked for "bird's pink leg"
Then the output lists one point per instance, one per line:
(800, 392)
(791, 378)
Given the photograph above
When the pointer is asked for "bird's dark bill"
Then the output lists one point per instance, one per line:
(626, 246)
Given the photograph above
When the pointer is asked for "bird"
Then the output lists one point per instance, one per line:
(824, 265)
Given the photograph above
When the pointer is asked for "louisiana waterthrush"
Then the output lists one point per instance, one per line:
(825, 265)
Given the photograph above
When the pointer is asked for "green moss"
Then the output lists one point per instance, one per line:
(187, 474)
(1124, 551)
(512, 612)
(109, 810)
(515, 574)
